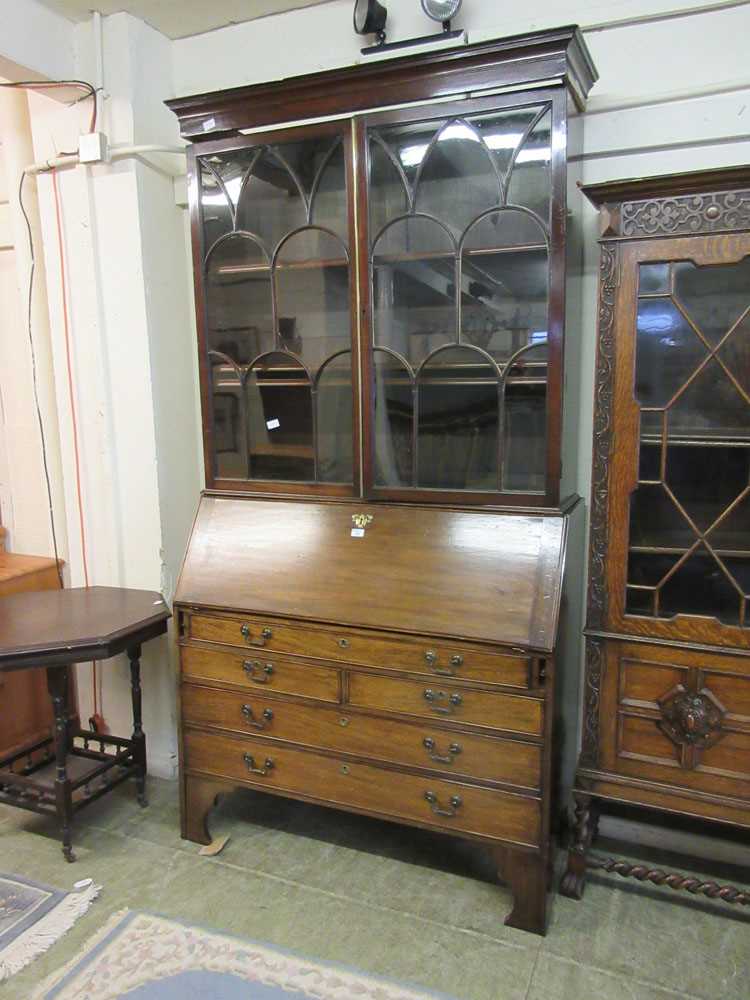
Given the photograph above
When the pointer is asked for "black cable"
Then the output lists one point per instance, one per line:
(34, 377)
(53, 85)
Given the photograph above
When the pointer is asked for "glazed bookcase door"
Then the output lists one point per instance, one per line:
(679, 565)
(465, 276)
(273, 256)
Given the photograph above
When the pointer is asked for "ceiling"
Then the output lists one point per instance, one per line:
(179, 18)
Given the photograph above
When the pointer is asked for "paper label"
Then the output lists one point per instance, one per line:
(273, 424)
(208, 124)
(358, 532)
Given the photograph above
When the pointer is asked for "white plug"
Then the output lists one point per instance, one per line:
(93, 148)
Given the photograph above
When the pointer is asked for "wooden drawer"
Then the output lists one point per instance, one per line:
(426, 801)
(413, 744)
(416, 655)
(490, 709)
(679, 717)
(256, 672)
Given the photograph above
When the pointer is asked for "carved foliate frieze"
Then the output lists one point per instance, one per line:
(603, 414)
(591, 700)
(687, 214)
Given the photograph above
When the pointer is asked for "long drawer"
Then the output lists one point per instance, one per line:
(489, 709)
(413, 744)
(415, 655)
(428, 801)
(257, 671)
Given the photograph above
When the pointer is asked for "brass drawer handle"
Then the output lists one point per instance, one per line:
(344, 643)
(453, 751)
(250, 719)
(435, 700)
(455, 801)
(268, 765)
(257, 672)
(265, 635)
(456, 661)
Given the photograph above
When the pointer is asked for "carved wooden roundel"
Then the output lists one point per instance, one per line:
(691, 718)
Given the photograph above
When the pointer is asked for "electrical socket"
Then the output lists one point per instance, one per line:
(93, 148)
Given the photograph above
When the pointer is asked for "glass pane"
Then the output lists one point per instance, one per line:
(525, 423)
(329, 205)
(649, 467)
(312, 296)
(271, 204)
(735, 353)
(504, 291)
(653, 279)
(531, 177)
(458, 421)
(667, 351)
(655, 521)
(732, 533)
(700, 587)
(706, 480)
(503, 132)
(409, 143)
(215, 207)
(230, 448)
(458, 180)
(639, 602)
(239, 315)
(414, 290)
(334, 420)
(711, 407)
(387, 192)
(280, 426)
(647, 569)
(714, 297)
(394, 421)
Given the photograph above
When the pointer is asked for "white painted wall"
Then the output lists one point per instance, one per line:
(674, 95)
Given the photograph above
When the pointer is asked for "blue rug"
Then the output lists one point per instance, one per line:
(34, 916)
(145, 957)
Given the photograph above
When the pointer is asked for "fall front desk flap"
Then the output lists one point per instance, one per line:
(464, 574)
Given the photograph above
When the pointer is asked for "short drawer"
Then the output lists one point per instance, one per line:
(426, 801)
(411, 654)
(431, 700)
(420, 745)
(256, 672)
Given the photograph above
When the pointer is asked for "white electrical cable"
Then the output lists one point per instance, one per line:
(116, 153)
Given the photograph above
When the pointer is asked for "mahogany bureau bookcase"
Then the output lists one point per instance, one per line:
(368, 609)
(667, 681)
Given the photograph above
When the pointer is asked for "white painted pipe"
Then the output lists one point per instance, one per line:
(116, 153)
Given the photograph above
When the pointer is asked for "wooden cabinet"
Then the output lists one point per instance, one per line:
(370, 598)
(667, 708)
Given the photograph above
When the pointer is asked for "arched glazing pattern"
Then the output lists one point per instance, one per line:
(689, 548)
(459, 224)
(277, 272)
(395, 389)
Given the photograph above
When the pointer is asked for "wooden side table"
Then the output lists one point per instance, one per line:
(56, 629)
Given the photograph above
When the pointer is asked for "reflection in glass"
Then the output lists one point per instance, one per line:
(503, 133)
(279, 419)
(710, 407)
(504, 291)
(735, 353)
(713, 297)
(387, 191)
(700, 587)
(457, 390)
(667, 351)
(271, 203)
(311, 275)
(653, 279)
(732, 532)
(329, 208)
(531, 179)
(414, 288)
(334, 420)
(394, 420)
(239, 314)
(457, 181)
(230, 446)
(215, 207)
(656, 522)
(525, 422)
(705, 481)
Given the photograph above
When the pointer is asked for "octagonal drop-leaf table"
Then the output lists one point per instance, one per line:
(56, 629)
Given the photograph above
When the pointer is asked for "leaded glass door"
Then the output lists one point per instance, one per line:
(681, 496)
(278, 355)
(465, 282)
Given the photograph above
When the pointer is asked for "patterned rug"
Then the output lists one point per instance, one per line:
(34, 916)
(144, 957)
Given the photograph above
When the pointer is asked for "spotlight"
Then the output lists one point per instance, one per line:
(369, 18)
(442, 10)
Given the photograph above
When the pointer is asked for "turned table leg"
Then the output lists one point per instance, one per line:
(586, 825)
(57, 685)
(139, 738)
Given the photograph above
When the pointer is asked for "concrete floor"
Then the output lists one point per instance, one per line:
(390, 900)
